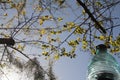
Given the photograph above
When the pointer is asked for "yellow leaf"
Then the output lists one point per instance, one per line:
(93, 51)
(73, 43)
(39, 8)
(53, 32)
(98, 3)
(45, 46)
(20, 47)
(83, 12)
(115, 50)
(79, 30)
(84, 42)
(60, 2)
(45, 17)
(42, 31)
(84, 46)
(56, 56)
(23, 12)
(41, 21)
(78, 39)
(50, 17)
(72, 51)
(65, 54)
(45, 53)
(71, 23)
(13, 5)
(111, 42)
(5, 14)
(102, 37)
(59, 19)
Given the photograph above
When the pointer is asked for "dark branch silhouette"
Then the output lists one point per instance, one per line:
(100, 28)
(8, 41)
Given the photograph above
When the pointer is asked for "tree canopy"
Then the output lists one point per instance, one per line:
(56, 28)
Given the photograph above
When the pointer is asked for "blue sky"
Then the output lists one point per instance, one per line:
(72, 69)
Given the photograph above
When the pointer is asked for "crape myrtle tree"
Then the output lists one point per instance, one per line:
(31, 29)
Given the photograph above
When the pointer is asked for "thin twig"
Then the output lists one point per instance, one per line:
(115, 26)
(3, 53)
(21, 53)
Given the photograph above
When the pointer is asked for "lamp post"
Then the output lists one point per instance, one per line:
(103, 66)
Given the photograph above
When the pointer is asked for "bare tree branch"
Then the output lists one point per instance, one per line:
(100, 28)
